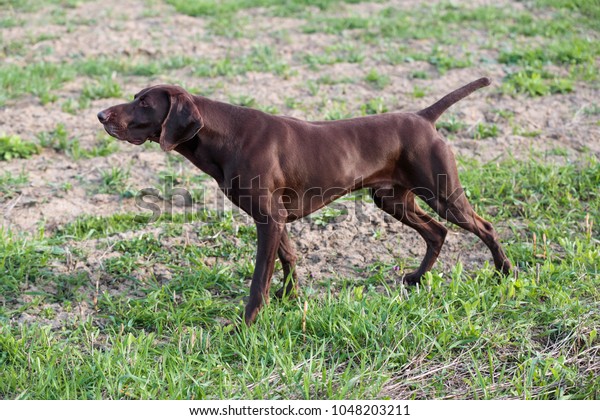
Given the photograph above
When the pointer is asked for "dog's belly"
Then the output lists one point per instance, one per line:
(301, 202)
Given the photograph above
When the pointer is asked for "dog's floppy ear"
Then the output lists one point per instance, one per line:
(182, 123)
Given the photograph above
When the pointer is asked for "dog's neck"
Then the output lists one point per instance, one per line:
(210, 148)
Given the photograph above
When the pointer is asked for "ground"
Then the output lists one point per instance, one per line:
(63, 61)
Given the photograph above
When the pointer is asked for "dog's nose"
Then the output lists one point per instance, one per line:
(103, 116)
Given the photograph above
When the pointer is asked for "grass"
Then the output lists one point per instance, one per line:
(563, 43)
(227, 7)
(483, 131)
(376, 79)
(10, 184)
(531, 337)
(536, 83)
(114, 180)
(374, 106)
(60, 141)
(13, 147)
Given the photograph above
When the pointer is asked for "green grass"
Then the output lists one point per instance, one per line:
(374, 106)
(37, 79)
(13, 147)
(377, 79)
(536, 83)
(10, 184)
(483, 131)
(531, 337)
(60, 141)
(227, 7)
(43, 79)
(114, 180)
(588, 8)
(451, 124)
(32, 5)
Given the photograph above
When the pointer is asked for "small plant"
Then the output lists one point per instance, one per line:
(316, 60)
(536, 82)
(58, 140)
(70, 106)
(326, 216)
(419, 74)
(243, 100)
(13, 147)
(507, 114)
(520, 131)
(291, 102)
(10, 182)
(529, 82)
(114, 180)
(561, 85)
(592, 109)
(107, 145)
(313, 87)
(106, 88)
(444, 62)
(418, 92)
(451, 125)
(374, 106)
(377, 80)
(270, 109)
(337, 111)
(483, 131)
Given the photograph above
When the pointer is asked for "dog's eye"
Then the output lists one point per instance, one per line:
(143, 103)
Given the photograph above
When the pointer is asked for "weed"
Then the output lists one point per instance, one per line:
(107, 87)
(376, 79)
(483, 131)
(374, 106)
(107, 145)
(419, 74)
(327, 215)
(444, 62)
(313, 87)
(270, 109)
(243, 100)
(592, 109)
(419, 92)
(37, 79)
(13, 147)
(535, 83)
(59, 141)
(114, 180)
(451, 124)
(337, 111)
(291, 102)
(10, 184)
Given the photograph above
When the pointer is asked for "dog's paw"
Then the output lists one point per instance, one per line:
(411, 279)
(507, 270)
(286, 294)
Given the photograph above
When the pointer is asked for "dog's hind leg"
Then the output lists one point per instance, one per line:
(447, 197)
(287, 256)
(401, 204)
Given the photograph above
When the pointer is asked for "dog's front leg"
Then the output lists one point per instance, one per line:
(269, 236)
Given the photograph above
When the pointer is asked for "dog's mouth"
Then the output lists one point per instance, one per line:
(115, 131)
(121, 134)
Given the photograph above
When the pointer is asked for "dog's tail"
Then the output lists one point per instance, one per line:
(433, 112)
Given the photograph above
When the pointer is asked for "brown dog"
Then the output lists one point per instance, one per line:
(279, 169)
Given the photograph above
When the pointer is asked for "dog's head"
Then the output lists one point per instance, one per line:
(165, 114)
